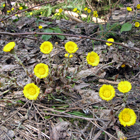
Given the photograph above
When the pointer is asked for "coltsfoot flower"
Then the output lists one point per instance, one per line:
(3, 5)
(12, 9)
(20, 8)
(123, 65)
(111, 40)
(40, 27)
(95, 14)
(71, 47)
(70, 55)
(138, 6)
(8, 11)
(93, 58)
(8, 47)
(60, 10)
(75, 9)
(107, 92)
(85, 9)
(127, 117)
(46, 47)
(124, 86)
(31, 13)
(88, 10)
(129, 9)
(137, 24)
(31, 91)
(41, 70)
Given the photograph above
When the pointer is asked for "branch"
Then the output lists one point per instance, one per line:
(78, 36)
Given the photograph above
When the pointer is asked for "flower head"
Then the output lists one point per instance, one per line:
(31, 91)
(95, 14)
(3, 5)
(138, 6)
(111, 40)
(46, 47)
(31, 13)
(88, 10)
(40, 27)
(41, 70)
(75, 9)
(8, 11)
(20, 8)
(127, 117)
(12, 9)
(68, 55)
(137, 24)
(123, 65)
(8, 47)
(129, 9)
(71, 47)
(85, 9)
(93, 58)
(41, 13)
(124, 86)
(60, 10)
(107, 92)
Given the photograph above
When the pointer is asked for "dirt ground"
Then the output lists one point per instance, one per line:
(69, 109)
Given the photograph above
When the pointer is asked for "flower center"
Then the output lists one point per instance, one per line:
(46, 48)
(124, 88)
(41, 71)
(70, 47)
(126, 117)
(32, 91)
(91, 59)
(107, 93)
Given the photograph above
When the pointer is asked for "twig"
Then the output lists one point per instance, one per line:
(78, 36)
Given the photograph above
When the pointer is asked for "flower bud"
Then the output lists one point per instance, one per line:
(120, 134)
(48, 90)
(58, 89)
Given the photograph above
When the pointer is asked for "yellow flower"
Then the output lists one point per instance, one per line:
(40, 27)
(137, 24)
(124, 86)
(71, 47)
(60, 10)
(41, 70)
(75, 9)
(85, 9)
(138, 6)
(127, 117)
(95, 14)
(16, 15)
(3, 5)
(88, 10)
(129, 9)
(70, 55)
(107, 92)
(41, 13)
(31, 13)
(20, 8)
(8, 11)
(31, 91)
(46, 47)
(123, 65)
(111, 40)
(93, 58)
(8, 47)
(12, 9)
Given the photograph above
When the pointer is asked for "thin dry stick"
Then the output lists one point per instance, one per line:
(78, 36)
(14, 113)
